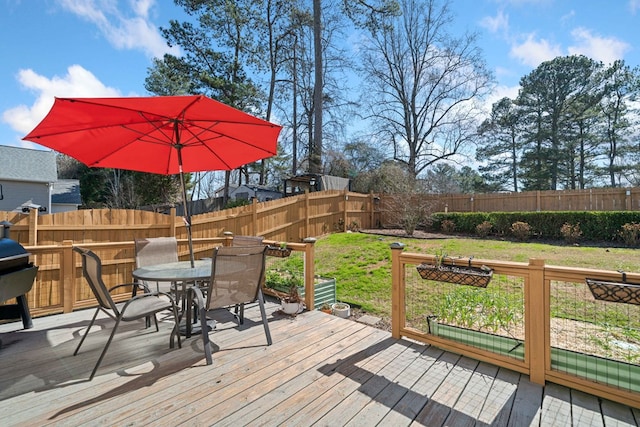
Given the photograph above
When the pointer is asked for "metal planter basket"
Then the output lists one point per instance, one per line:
(461, 275)
(623, 292)
(278, 252)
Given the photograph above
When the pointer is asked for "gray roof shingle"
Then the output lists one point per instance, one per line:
(23, 164)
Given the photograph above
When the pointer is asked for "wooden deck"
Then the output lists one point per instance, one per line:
(320, 370)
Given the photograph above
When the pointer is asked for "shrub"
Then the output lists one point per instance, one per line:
(483, 229)
(630, 233)
(521, 230)
(448, 226)
(571, 233)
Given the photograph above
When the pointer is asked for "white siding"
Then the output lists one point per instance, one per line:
(16, 194)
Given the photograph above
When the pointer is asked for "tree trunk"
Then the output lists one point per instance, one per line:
(315, 163)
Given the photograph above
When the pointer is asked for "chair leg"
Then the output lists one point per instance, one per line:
(265, 323)
(206, 342)
(176, 329)
(106, 347)
(87, 331)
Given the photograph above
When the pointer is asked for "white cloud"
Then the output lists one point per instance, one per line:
(78, 82)
(533, 52)
(568, 16)
(124, 29)
(634, 6)
(495, 24)
(605, 49)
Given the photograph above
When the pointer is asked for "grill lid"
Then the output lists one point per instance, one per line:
(11, 249)
(12, 256)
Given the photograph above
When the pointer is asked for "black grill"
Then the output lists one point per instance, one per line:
(16, 278)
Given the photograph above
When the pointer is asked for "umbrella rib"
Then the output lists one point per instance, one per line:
(222, 134)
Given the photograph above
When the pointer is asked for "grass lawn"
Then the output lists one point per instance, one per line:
(361, 263)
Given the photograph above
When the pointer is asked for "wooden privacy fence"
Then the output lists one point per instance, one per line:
(290, 219)
(596, 199)
(50, 238)
(533, 318)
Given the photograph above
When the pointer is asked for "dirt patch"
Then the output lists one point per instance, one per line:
(418, 234)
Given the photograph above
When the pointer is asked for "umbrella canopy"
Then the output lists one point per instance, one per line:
(164, 135)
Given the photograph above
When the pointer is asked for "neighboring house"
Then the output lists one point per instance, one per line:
(314, 182)
(65, 195)
(250, 191)
(29, 180)
(26, 178)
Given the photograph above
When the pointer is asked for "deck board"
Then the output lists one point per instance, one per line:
(320, 370)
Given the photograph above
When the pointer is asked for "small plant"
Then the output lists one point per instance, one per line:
(281, 280)
(440, 257)
(630, 234)
(325, 307)
(483, 229)
(570, 232)
(448, 226)
(521, 230)
(293, 296)
(354, 226)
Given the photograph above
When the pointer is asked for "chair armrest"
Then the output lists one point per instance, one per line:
(198, 295)
(147, 295)
(135, 286)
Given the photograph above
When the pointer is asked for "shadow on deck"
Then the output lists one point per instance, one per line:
(320, 370)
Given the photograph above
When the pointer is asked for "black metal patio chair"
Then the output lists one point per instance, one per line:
(236, 279)
(139, 306)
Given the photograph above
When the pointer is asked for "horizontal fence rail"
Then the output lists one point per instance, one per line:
(575, 327)
(290, 219)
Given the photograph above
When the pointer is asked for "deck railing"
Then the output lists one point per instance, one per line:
(533, 318)
(60, 288)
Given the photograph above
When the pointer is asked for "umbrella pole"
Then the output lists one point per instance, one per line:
(186, 216)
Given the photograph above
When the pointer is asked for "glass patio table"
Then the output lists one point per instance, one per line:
(182, 273)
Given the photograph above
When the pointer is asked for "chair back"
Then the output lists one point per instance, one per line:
(92, 272)
(156, 250)
(247, 240)
(236, 275)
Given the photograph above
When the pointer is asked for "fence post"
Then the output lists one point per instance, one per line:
(397, 289)
(537, 321)
(228, 238)
(33, 227)
(306, 231)
(67, 274)
(371, 212)
(309, 272)
(627, 199)
(254, 217)
(172, 230)
(344, 211)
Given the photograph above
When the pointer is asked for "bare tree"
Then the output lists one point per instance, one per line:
(423, 84)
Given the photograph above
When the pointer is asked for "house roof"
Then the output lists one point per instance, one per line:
(66, 191)
(23, 164)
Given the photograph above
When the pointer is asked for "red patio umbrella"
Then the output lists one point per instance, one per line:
(163, 134)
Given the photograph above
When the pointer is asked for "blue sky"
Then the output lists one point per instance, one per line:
(86, 48)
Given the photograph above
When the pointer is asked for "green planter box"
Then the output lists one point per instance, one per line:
(325, 291)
